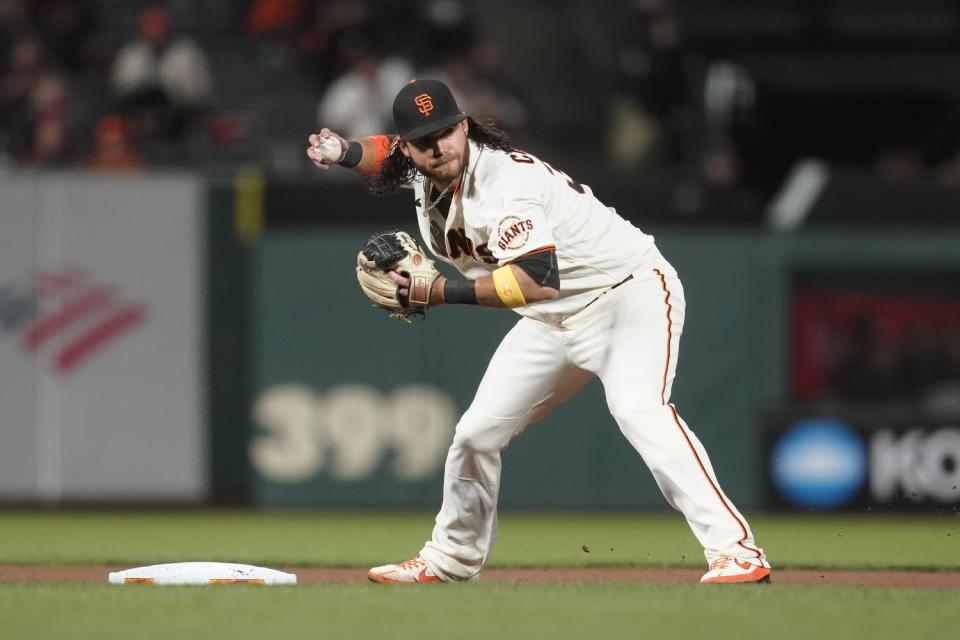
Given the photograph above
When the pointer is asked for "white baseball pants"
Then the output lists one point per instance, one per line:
(629, 338)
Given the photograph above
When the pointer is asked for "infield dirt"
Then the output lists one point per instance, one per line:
(305, 575)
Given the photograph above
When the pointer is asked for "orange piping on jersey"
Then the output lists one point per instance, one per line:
(713, 485)
(666, 367)
(676, 420)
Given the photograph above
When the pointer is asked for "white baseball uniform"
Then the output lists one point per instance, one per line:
(619, 316)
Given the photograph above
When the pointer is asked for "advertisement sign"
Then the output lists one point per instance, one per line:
(824, 461)
(100, 315)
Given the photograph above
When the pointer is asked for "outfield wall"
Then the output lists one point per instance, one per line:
(115, 293)
(334, 381)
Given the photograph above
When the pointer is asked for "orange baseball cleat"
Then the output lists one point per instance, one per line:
(729, 570)
(413, 571)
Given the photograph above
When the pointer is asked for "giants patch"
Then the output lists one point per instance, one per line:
(513, 233)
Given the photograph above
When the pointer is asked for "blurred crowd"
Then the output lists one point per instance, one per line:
(160, 81)
(361, 52)
(52, 52)
(667, 104)
(736, 135)
(40, 42)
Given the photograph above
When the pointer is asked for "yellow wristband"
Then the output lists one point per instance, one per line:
(507, 288)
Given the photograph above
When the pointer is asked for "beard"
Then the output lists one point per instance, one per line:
(443, 170)
(446, 169)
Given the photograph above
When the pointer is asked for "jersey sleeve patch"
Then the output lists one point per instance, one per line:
(514, 234)
(514, 218)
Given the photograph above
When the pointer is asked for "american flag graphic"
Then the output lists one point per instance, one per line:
(67, 316)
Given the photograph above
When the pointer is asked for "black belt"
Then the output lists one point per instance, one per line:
(625, 280)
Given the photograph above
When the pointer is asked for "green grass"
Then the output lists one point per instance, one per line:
(483, 611)
(358, 539)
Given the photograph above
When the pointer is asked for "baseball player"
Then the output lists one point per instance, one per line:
(595, 298)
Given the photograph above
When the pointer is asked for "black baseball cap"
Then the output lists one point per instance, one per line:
(423, 107)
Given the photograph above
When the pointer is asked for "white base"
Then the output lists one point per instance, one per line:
(202, 573)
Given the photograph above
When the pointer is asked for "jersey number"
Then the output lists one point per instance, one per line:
(525, 158)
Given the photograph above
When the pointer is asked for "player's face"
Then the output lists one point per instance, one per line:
(440, 156)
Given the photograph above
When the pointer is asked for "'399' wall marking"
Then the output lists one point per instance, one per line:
(346, 432)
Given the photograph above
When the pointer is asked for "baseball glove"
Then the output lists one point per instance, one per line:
(396, 251)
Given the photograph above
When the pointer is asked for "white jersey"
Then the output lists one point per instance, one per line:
(513, 204)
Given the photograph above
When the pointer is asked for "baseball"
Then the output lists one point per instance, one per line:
(328, 150)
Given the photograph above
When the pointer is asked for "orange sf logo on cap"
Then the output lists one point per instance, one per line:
(424, 103)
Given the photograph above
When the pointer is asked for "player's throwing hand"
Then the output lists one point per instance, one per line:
(326, 148)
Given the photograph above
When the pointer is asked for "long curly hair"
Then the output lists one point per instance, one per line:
(397, 170)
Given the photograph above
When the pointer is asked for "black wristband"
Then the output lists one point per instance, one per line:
(353, 155)
(460, 292)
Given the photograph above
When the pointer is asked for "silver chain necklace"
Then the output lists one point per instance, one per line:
(433, 205)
